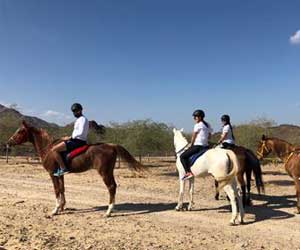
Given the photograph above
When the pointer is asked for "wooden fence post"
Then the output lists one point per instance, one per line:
(7, 153)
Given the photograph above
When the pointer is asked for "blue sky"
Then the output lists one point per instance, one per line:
(127, 60)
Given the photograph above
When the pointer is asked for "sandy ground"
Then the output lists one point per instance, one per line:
(144, 217)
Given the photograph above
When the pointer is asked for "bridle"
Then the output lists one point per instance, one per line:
(263, 147)
(43, 150)
(13, 138)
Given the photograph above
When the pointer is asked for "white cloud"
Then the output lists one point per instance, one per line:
(295, 38)
(57, 117)
(52, 113)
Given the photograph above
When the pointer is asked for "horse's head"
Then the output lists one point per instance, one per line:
(20, 136)
(180, 141)
(264, 148)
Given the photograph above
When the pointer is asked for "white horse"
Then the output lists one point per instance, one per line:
(216, 162)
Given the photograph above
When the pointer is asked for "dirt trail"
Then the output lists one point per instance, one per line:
(144, 216)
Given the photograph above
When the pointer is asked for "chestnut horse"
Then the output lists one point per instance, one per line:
(288, 153)
(101, 157)
(248, 163)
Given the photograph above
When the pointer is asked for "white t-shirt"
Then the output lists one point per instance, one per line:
(81, 128)
(203, 134)
(229, 137)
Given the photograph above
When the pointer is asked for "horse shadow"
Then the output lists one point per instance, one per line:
(269, 209)
(126, 209)
(270, 172)
(280, 182)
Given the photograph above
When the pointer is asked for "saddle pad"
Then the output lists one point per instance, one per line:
(77, 151)
(194, 157)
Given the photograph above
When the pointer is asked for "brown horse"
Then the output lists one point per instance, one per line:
(101, 157)
(288, 153)
(248, 163)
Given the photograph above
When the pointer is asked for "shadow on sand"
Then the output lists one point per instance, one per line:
(270, 172)
(127, 209)
(281, 182)
(269, 209)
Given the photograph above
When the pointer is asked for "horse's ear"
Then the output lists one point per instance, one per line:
(24, 123)
(181, 130)
(263, 137)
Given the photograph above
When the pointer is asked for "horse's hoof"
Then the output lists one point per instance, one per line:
(232, 222)
(242, 222)
(178, 209)
(189, 208)
(216, 198)
(107, 215)
(54, 212)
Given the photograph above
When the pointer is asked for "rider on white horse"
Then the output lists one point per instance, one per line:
(201, 133)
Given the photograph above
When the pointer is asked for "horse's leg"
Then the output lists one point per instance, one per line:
(248, 179)
(62, 193)
(231, 194)
(111, 185)
(241, 181)
(217, 192)
(191, 192)
(180, 197)
(297, 185)
(239, 201)
(57, 194)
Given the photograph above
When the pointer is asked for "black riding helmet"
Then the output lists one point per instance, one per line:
(225, 118)
(76, 107)
(199, 113)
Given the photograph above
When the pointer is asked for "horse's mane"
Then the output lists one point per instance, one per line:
(278, 140)
(42, 132)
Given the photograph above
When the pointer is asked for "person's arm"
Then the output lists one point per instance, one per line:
(194, 135)
(223, 137)
(224, 134)
(65, 138)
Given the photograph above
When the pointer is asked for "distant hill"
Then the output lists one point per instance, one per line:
(11, 119)
(247, 135)
(15, 116)
(287, 132)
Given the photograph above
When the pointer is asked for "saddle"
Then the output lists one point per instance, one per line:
(194, 157)
(69, 156)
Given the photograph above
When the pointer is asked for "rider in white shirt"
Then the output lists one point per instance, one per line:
(69, 143)
(227, 138)
(201, 133)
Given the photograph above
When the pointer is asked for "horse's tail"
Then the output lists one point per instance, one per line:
(256, 167)
(234, 164)
(126, 156)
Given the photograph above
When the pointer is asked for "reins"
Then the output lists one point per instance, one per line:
(179, 151)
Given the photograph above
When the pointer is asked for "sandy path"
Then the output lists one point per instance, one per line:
(144, 217)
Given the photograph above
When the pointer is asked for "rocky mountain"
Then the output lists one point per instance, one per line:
(11, 119)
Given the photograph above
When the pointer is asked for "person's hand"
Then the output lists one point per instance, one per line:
(65, 138)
